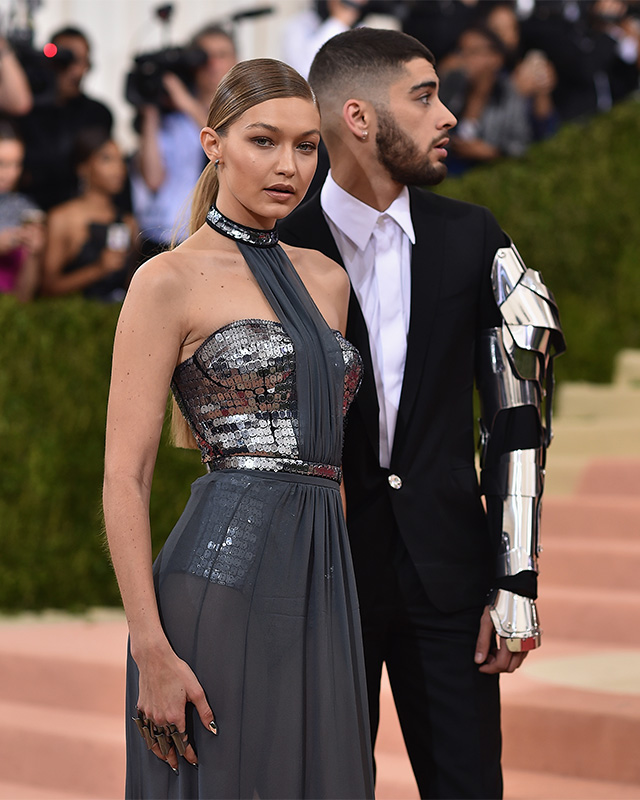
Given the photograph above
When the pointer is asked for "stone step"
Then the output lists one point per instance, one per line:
(564, 730)
(590, 517)
(583, 614)
(612, 477)
(607, 437)
(538, 785)
(593, 564)
(582, 739)
(563, 473)
(64, 663)
(627, 368)
(572, 713)
(575, 401)
(76, 752)
(23, 791)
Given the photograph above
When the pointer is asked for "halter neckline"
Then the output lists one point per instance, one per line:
(256, 237)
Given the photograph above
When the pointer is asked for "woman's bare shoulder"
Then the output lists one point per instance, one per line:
(65, 213)
(166, 274)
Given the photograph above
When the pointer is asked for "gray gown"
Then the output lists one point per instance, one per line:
(255, 584)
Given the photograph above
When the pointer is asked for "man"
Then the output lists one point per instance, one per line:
(50, 129)
(169, 160)
(437, 289)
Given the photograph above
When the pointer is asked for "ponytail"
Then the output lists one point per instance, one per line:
(204, 195)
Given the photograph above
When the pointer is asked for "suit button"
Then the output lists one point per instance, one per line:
(395, 481)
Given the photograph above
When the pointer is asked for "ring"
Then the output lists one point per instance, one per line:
(163, 743)
(144, 726)
(164, 737)
(179, 738)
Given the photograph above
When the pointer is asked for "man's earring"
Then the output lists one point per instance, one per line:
(365, 134)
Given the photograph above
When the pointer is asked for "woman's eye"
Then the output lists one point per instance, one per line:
(262, 141)
(307, 146)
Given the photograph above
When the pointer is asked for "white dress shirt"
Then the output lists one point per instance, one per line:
(376, 249)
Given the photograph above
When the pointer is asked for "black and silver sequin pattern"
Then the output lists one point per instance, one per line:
(238, 393)
(226, 547)
(241, 233)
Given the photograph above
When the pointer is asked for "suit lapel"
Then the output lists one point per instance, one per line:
(427, 268)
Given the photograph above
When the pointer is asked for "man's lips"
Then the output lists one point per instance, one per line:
(440, 147)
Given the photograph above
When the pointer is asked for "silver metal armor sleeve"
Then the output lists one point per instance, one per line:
(515, 618)
(515, 370)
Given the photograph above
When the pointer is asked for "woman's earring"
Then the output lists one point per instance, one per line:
(216, 163)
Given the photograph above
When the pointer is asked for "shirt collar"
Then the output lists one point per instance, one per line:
(356, 220)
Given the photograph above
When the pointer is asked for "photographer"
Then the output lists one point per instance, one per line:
(50, 129)
(169, 159)
(308, 31)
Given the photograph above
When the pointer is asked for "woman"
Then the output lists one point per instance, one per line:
(250, 611)
(89, 246)
(21, 228)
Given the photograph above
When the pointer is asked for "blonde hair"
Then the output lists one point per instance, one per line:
(246, 85)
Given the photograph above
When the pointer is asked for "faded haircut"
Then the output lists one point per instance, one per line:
(362, 60)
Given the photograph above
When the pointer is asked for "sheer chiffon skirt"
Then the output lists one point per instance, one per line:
(256, 594)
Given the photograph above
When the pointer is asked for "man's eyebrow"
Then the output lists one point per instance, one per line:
(274, 129)
(424, 85)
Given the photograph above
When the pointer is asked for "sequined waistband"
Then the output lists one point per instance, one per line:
(275, 464)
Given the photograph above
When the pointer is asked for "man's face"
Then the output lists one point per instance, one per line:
(221, 56)
(69, 80)
(412, 128)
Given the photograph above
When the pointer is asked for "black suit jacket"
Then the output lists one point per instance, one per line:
(437, 511)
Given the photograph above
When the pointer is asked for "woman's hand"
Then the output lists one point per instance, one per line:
(166, 685)
(10, 239)
(112, 260)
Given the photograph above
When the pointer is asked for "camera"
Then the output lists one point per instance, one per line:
(39, 68)
(144, 82)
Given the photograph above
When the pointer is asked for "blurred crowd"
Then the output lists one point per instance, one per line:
(77, 215)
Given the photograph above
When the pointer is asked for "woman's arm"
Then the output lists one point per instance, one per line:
(149, 157)
(60, 251)
(148, 339)
(15, 92)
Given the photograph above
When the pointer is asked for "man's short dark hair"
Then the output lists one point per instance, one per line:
(362, 57)
(212, 30)
(70, 31)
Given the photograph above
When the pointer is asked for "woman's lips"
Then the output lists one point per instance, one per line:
(280, 191)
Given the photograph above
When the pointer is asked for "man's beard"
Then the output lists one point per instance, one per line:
(400, 156)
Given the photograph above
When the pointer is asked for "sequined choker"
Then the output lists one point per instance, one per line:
(241, 233)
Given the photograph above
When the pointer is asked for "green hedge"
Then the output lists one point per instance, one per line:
(572, 206)
(54, 381)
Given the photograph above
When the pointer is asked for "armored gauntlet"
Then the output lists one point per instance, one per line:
(515, 380)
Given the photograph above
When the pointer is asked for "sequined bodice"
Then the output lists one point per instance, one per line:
(238, 391)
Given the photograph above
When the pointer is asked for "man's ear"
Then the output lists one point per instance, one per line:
(211, 143)
(358, 116)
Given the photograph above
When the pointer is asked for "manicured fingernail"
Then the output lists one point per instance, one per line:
(213, 727)
(175, 769)
(193, 764)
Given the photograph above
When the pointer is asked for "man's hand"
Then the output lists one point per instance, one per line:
(494, 659)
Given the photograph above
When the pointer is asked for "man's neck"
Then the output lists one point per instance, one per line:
(374, 187)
